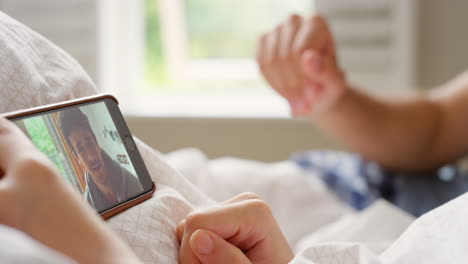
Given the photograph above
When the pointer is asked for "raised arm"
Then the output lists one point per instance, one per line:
(418, 132)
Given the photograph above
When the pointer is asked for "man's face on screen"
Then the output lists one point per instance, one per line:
(89, 153)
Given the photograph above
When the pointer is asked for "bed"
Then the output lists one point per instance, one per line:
(316, 223)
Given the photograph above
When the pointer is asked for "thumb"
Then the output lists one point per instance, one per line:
(210, 248)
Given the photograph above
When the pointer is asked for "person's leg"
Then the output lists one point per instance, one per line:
(418, 194)
(359, 183)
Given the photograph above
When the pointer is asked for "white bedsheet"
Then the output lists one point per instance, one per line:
(282, 185)
(440, 236)
(35, 72)
(379, 234)
(306, 211)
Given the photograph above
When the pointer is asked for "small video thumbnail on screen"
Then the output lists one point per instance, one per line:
(84, 144)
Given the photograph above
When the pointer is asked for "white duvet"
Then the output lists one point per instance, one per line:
(34, 72)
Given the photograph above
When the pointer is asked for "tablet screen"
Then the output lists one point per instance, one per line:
(90, 150)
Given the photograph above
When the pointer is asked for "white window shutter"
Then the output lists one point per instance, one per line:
(375, 40)
(71, 24)
(122, 48)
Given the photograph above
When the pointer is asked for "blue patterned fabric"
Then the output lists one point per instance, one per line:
(359, 183)
(352, 179)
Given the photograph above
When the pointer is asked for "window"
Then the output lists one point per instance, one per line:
(199, 56)
(195, 57)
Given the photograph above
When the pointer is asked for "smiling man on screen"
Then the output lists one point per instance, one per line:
(107, 183)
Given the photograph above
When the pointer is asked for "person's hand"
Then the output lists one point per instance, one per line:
(298, 59)
(241, 230)
(36, 200)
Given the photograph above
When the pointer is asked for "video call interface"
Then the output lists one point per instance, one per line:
(84, 144)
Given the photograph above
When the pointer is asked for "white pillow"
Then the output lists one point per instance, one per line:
(34, 72)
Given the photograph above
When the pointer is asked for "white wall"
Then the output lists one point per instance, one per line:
(254, 138)
(443, 40)
(71, 24)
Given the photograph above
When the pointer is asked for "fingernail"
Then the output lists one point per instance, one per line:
(202, 242)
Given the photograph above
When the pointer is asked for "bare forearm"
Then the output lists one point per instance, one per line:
(398, 134)
(414, 134)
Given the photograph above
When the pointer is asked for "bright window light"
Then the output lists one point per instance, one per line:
(199, 57)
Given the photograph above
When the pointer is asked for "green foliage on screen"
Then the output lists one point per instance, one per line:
(42, 140)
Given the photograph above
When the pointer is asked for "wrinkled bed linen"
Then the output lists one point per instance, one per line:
(378, 234)
(282, 185)
(304, 208)
(34, 72)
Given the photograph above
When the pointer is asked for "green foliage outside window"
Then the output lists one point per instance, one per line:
(216, 29)
(155, 63)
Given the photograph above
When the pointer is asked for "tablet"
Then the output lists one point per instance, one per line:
(90, 144)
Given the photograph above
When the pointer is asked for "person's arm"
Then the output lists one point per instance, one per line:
(36, 200)
(421, 132)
